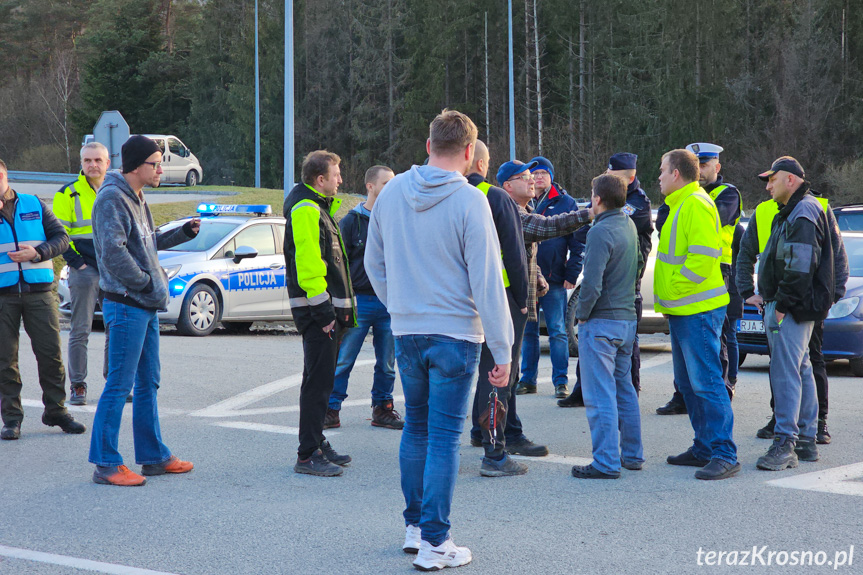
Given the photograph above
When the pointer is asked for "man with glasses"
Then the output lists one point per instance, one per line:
(136, 288)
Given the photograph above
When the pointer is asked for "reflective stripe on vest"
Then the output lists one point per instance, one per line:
(484, 187)
(28, 231)
(80, 227)
(765, 213)
(726, 234)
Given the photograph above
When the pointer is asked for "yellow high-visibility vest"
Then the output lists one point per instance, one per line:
(484, 187)
(726, 233)
(73, 206)
(765, 212)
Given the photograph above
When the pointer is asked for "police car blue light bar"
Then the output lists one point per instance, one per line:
(262, 209)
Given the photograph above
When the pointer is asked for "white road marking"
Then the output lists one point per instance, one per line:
(844, 480)
(660, 359)
(75, 562)
(559, 459)
(92, 408)
(281, 429)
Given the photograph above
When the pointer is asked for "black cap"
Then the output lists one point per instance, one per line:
(136, 150)
(784, 164)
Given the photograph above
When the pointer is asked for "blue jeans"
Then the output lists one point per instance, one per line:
(698, 374)
(605, 347)
(553, 306)
(436, 373)
(133, 356)
(371, 314)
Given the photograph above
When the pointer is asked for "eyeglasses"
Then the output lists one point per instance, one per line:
(526, 177)
(156, 165)
(540, 174)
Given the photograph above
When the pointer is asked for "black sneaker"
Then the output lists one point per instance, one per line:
(780, 456)
(11, 431)
(78, 395)
(632, 465)
(561, 391)
(823, 436)
(525, 446)
(385, 416)
(333, 457)
(65, 422)
(687, 458)
(318, 465)
(672, 408)
(331, 419)
(503, 468)
(525, 388)
(806, 449)
(591, 472)
(575, 399)
(767, 432)
(718, 469)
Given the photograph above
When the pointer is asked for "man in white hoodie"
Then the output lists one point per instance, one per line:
(433, 258)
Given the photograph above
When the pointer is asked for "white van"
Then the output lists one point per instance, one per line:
(179, 164)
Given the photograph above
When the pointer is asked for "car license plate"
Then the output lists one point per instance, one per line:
(750, 326)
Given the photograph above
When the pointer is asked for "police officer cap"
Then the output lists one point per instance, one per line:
(511, 168)
(541, 163)
(705, 151)
(784, 164)
(622, 161)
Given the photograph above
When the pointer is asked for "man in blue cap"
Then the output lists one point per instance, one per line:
(729, 204)
(637, 207)
(558, 260)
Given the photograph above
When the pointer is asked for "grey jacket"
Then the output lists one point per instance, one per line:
(126, 246)
(610, 269)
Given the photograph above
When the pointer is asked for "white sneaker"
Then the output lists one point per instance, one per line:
(412, 539)
(447, 554)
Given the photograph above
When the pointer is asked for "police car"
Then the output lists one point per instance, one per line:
(232, 273)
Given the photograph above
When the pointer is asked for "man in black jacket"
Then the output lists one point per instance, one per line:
(795, 290)
(371, 314)
(35, 237)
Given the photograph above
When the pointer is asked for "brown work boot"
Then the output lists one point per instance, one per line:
(385, 416)
(331, 419)
(173, 465)
(120, 475)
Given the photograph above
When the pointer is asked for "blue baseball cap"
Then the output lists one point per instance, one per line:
(622, 161)
(541, 163)
(511, 168)
(705, 151)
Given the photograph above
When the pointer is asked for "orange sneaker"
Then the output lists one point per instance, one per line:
(120, 475)
(173, 465)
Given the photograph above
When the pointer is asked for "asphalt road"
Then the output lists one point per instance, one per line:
(229, 404)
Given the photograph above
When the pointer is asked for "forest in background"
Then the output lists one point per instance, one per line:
(761, 78)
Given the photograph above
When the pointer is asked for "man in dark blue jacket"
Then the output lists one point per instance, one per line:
(558, 260)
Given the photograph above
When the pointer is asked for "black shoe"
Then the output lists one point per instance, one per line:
(333, 457)
(331, 419)
(385, 416)
(475, 441)
(672, 408)
(574, 400)
(591, 472)
(781, 455)
(806, 449)
(11, 431)
(525, 446)
(525, 388)
(129, 398)
(318, 465)
(717, 469)
(687, 458)
(561, 391)
(767, 432)
(823, 436)
(78, 395)
(631, 465)
(503, 468)
(65, 422)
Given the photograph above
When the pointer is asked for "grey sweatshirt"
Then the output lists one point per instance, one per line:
(433, 258)
(126, 246)
(610, 269)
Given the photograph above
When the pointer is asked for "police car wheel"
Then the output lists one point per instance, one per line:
(571, 324)
(200, 312)
(192, 178)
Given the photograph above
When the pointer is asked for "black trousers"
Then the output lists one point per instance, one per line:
(510, 429)
(819, 369)
(42, 324)
(320, 354)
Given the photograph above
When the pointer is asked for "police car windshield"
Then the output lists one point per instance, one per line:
(212, 231)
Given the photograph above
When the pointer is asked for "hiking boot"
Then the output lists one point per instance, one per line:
(65, 422)
(11, 431)
(502, 468)
(781, 455)
(318, 465)
(333, 457)
(173, 465)
(823, 436)
(590, 472)
(525, 388)
(525, 446)
(331, 419)
(121, 476)
(561, 391)
(78, 395)
(447, 554)
(413, 539)
(806, 449)
(718, 469)
(687, 458)
(672, 408)
(385, 416)
(575, 399)
(767, 432)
